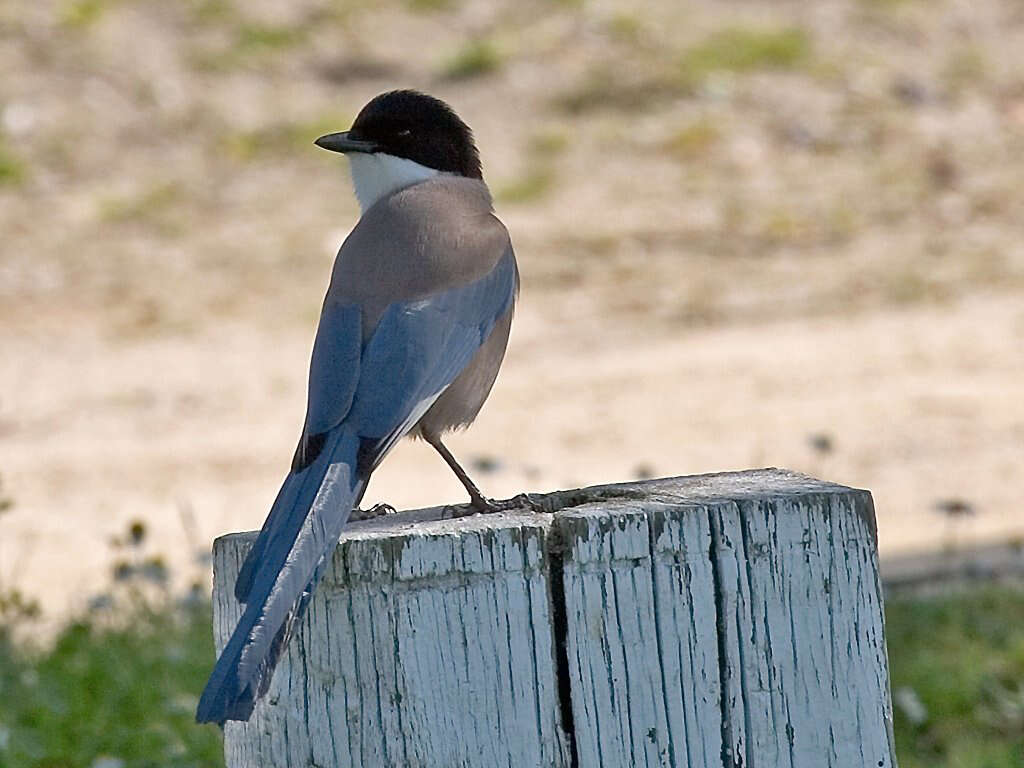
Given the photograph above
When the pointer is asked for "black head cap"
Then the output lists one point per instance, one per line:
(415, 126)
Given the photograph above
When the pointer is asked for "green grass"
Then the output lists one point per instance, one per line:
(12, 170)
(626, 27)
(152, 204)
(961, 657)
(282, 137)
(264, 37)
(741, 49)
(549, 143)
(250, 43)
(606, 87)
(122, 684)
(476, 58)
(666, 76)
(431, 6)
(81, 14)
(966, 68)
(694, 140)
(886, 4)
(530, 187)
(125, 691)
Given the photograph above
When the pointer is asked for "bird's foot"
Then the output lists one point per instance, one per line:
(485, 506)
(520, 502)
(377, 510)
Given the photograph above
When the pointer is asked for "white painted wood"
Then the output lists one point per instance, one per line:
(425, 645)
(680, 539)
(724, 620)
(612, 646)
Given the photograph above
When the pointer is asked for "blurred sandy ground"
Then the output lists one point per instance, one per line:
(750, 234)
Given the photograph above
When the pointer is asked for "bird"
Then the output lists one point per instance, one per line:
(412, 332)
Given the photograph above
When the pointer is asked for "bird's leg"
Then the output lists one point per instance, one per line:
(478, 501)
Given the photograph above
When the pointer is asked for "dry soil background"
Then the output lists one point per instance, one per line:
(757, 233)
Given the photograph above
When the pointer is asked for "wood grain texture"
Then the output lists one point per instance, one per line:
(430, 645)
(723, 620)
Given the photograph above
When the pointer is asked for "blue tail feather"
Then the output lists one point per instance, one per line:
(295, 544)
(285, 501)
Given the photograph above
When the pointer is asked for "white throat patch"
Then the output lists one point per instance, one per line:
(380, 174)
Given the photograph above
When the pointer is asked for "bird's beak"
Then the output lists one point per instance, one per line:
(345, 142)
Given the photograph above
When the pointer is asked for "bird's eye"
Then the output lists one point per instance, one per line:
(404, 132)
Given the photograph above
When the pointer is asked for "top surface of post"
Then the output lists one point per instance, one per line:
(754, 484)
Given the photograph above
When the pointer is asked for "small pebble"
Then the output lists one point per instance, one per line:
(821, 442)
(954, 507)
(910, 91)
(486, 464)
(643, 471)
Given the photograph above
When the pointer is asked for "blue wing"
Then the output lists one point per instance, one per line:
(362, 399)
(418, 349)
(334, 368)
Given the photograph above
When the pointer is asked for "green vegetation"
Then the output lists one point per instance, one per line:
(120, 685)
(283, 136)
(965, 69)
(261, 37)
(738, 49)
(549, 142)
(607, 87)
(531, 186)
(153, 205)
(694, 140)
(731, 49)
(660, 75)
(249, 44)
(211, 11)
(479, 57)
(626, 27)
(957, 665)
(81, 14)
(885, 4)
(12, 170)
(6, 502)
(429, 6)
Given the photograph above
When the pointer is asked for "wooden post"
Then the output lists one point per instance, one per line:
(730, 620)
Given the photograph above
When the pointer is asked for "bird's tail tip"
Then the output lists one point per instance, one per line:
(222, 701)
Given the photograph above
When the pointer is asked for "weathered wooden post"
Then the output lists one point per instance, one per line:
(722, 620)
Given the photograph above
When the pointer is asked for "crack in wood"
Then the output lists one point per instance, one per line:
(560, 635)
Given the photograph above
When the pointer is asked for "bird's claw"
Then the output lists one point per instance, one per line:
(518, 502)
(484, 506)
(377, 510)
